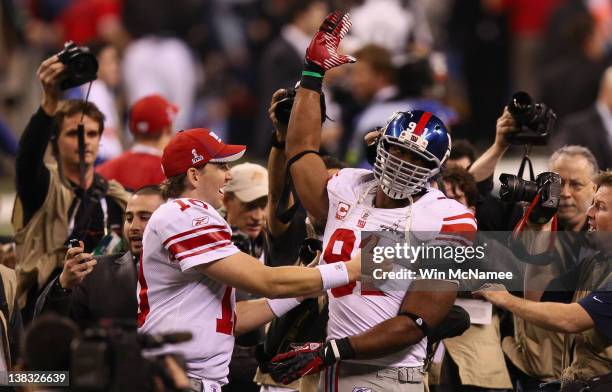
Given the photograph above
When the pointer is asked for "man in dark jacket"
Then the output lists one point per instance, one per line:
(89, 288)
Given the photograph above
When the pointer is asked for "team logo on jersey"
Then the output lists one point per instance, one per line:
(361, 389)
(364, 218)
(199, 221)
(343, 209)
(196, 157)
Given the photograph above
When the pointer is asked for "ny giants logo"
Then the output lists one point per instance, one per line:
(364, 218)
(343, 209)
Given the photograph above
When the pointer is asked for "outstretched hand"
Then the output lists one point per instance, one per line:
(323, 49)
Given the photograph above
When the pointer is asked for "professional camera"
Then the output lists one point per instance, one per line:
(284, 106)
(81, 66)
(109, 357)
(547, 185)
(535, 120)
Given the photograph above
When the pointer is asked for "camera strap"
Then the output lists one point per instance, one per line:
(523, 221)
(525, 161)
(283, 212)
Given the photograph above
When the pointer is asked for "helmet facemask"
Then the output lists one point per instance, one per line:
(399, 178)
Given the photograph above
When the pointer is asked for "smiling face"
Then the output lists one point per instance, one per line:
(68, 143)
(137, 214)
(209, 181)
(577, 189)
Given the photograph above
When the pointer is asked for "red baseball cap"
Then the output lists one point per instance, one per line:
(195, 147)
(150, 114)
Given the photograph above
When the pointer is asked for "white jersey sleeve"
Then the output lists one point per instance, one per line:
(194, 233)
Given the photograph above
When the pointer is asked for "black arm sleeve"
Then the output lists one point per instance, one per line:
(32, 175)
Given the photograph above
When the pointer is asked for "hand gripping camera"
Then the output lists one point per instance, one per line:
(284, 106)
(81, 65)
(547, 185)
(535, 120)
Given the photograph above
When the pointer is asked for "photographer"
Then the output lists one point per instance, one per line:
(586, 320)
(52, 205)
(90, 289)
(537, 352)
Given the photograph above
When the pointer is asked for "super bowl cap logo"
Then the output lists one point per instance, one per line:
(196, 157)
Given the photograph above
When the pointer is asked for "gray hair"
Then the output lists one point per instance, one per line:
(572, 151)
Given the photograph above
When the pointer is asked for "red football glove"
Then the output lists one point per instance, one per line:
(302, 360)
(323, 49)
(309, 358)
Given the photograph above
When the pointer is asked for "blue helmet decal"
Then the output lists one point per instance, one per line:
(422, 130)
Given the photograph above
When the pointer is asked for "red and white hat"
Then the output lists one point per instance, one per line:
(195, 147)
(150, 114)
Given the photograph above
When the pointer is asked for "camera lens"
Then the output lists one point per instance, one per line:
(523, 110)
(514, 189)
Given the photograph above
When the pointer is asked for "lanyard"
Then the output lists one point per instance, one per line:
(103, 205)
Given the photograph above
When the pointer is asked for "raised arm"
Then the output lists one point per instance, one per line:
(276, 169)
(32, 176)
(484, 166)
(304, 132)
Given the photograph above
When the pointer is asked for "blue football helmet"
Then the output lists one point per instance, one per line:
(422, 134)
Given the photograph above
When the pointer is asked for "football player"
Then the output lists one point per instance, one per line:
(190, 267)
(376, 341)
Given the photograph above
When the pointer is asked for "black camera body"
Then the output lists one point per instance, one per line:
(81, 65)
(547, 184)
(284, 106)
(535, 120)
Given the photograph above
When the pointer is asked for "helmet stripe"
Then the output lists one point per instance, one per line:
(421, 124)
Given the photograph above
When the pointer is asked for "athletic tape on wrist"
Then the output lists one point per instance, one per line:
(333, 275)
(280, 306)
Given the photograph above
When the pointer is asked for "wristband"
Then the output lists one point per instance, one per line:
(333, 275)
(282, 305)
(312, 77)
(338, 349)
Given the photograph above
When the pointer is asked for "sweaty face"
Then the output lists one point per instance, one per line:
(577, 189)
(408, 156)
(137, 214)
(68, 143)
(249, 218)
(211, 180)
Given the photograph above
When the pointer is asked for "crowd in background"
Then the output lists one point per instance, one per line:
(220, 61)
(171, 65)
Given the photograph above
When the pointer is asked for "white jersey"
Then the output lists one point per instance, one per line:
(173, 296)
(351, 309)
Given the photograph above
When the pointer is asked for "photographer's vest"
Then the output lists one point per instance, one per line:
(588, 354)
(536, 351)
(40, 243)
(482, 342)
